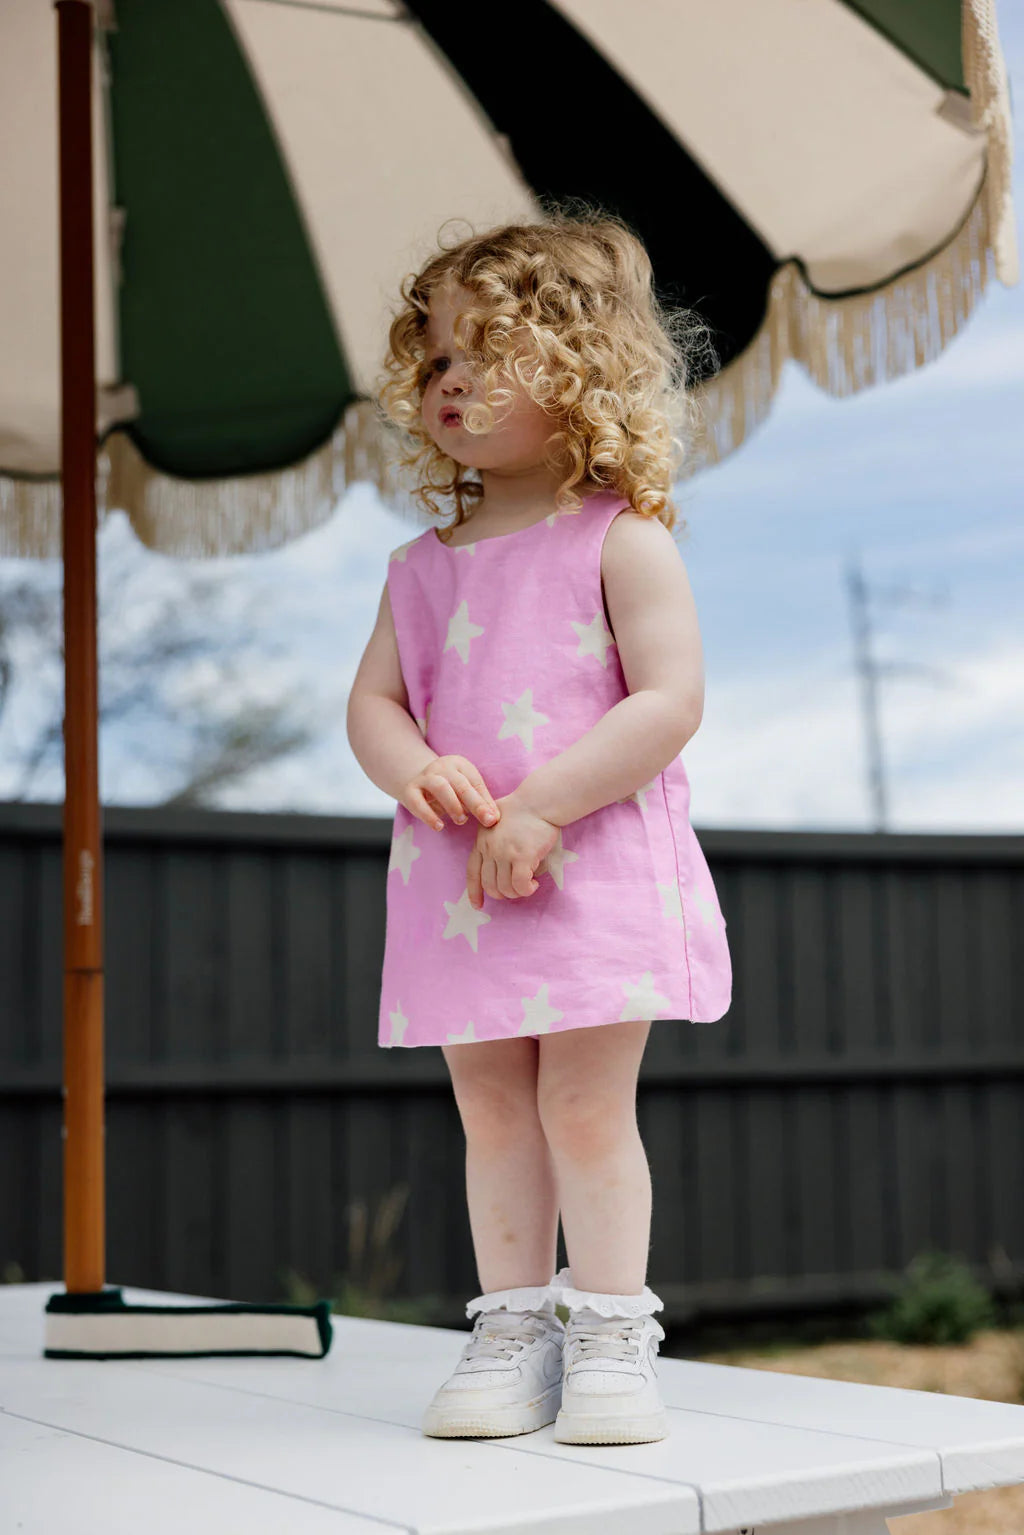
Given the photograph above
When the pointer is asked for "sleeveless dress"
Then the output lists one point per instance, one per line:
(508, 659)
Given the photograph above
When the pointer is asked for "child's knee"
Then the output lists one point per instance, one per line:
(582, 1122)
(495, 1087)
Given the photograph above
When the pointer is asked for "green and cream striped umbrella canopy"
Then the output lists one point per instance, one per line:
(824, 180)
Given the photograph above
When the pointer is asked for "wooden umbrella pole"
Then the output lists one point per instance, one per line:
(84, 1220)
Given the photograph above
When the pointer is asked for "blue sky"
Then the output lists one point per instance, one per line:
(922, 478)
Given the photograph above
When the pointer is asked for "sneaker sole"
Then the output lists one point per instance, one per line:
(493, 1422)
(602, 1428)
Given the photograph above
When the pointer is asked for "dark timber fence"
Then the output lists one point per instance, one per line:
(862, 1100)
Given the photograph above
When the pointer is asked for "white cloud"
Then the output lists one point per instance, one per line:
(788, 750)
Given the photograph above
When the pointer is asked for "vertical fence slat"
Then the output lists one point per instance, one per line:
(309, 1213)
(808, 1027)
(248, 1024)
(768, 1167)
(820, 1196)
(129, 935)
(308, 941)
(134, 1196)
(870, 1193)
(1005, 1161)
(188, 1166)
(252, 1146)
(956, 956)
(14, 1002)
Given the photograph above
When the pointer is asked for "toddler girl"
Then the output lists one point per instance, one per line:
(533, 676)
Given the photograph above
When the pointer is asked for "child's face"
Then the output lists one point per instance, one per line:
(517, 439)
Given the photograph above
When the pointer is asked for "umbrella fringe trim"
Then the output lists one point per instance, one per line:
(232, 515)
(850, 343)
(986, 81)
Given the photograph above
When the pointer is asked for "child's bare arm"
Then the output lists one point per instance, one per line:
(390, 747)
(654, 620)
(385, 739)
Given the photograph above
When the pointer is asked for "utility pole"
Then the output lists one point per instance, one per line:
(871, 671)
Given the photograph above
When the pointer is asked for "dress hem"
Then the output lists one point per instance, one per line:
(426, 1044)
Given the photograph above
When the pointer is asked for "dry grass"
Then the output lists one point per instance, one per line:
(990, 1366)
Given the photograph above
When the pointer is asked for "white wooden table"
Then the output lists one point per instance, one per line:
(283, 1446)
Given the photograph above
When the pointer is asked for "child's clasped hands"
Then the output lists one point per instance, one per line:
(511, 840)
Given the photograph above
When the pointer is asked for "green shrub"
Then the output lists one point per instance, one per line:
(940, 1301)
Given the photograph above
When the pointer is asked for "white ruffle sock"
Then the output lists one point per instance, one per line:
(644, 1304)
(540, 1297)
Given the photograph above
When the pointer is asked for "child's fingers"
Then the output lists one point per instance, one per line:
(447, 795)
(478, 798)
(474, 887)
(428, 813)
(523, 882)
(443, 799)
(489, 877)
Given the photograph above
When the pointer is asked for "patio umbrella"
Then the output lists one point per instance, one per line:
(827, 182)
(246, 182)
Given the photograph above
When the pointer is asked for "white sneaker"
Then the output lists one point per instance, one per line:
(508, 1379)
(610, 1389)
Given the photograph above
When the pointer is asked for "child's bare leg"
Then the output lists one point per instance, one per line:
(586, 1098)
(510, 1185)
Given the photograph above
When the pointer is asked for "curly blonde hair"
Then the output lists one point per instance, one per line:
(610, 362)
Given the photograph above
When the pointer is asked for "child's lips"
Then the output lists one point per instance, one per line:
(451, 418)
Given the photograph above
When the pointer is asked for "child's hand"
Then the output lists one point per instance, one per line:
(505, 857)
(449, 783)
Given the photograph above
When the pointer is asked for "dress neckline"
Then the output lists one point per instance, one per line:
(495, 538)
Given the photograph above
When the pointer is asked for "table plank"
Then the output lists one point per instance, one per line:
(980, 1444)
(54, 1480)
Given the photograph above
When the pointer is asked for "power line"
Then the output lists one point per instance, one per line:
(871, 671)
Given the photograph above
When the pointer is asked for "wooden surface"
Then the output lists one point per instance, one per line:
(215, 1446)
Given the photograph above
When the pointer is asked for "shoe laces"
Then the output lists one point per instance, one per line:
(502, 1334)
(610, 1338)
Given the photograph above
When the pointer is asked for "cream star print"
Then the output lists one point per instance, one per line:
(553, 863)
(642, 999)
(461, 631)
(521, 719)
(467, 1037)
(639, 796)
(538, 1014)
(709, 914)
(464, 919)
(399, 1023)
(671, 901)
(404, 852)
(596, 639)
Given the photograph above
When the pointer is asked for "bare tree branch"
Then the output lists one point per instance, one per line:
(150, 644)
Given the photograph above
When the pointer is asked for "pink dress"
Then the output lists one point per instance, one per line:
(508, 659)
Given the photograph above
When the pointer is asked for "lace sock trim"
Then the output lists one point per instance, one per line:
(523, 1298)
(606, 1305)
